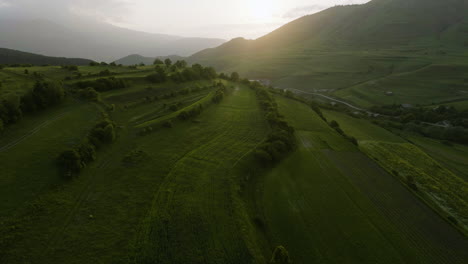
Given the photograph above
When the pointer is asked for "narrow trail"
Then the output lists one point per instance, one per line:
(30, 133)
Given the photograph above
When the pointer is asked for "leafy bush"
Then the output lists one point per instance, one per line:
(103, 84)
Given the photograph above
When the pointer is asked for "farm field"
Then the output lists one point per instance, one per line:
(330, 189)
(441, 183)
(452, 157)
(432, 84)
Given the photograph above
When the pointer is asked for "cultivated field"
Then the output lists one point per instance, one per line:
(353, 211)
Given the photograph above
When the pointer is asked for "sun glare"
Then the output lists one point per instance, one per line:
(262, 10)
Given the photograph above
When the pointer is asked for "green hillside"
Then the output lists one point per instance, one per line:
(9, 56)
(349, 48)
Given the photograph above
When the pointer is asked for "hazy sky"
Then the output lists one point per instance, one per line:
(200, 18)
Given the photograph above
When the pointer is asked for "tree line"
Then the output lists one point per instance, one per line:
(193, 110)
(41, 96)
(180, 72)
(103, 84)
(70, 162)
(281, 139)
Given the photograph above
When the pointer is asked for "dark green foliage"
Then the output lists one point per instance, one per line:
(334, 124)
(158, 62)
(69, 163)
(103, 84)
(26, 71)
(167, 124)
(159, 76)
(280, 256)
(219, 94)
(168, 62)
(70, 67)
(281, 140)
(87, 152)
(180, 64)
(105, 72)
(234, 76)
(193, 112)
(102, 133)
(43, 95)
(90, 94)
(194, 73)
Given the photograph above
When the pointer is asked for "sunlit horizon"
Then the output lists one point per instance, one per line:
(202, 18)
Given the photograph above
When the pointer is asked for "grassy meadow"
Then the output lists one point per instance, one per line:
(342, 199)
(190, 190)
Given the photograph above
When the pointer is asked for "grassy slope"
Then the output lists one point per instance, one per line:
(38, 140)
(328, 203)
(192, 211)
(119, 195)
(438, 184)
(362, 49)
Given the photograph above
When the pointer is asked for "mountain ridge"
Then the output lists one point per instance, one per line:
(10, 56)
(94, 40)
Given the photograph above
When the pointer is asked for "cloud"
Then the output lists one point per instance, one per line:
(58, 9)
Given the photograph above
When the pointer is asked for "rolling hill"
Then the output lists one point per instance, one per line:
(8, 56)
(347, 45)
(95, 40)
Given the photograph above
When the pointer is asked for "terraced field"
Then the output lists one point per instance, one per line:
(351, 209)
(193, 211)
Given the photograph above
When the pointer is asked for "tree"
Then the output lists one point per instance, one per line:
(158, 61)
(70, 163)
(334, 124)
(280, 256)
(234, 76)
(168, 62)
(26, 71)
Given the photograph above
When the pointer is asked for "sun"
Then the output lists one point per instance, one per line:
(262, 10)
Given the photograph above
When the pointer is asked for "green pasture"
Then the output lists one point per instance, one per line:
(328, 203)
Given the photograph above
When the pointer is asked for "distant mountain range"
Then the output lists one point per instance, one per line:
(94, 40)
(8, 56)
(137, 59)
